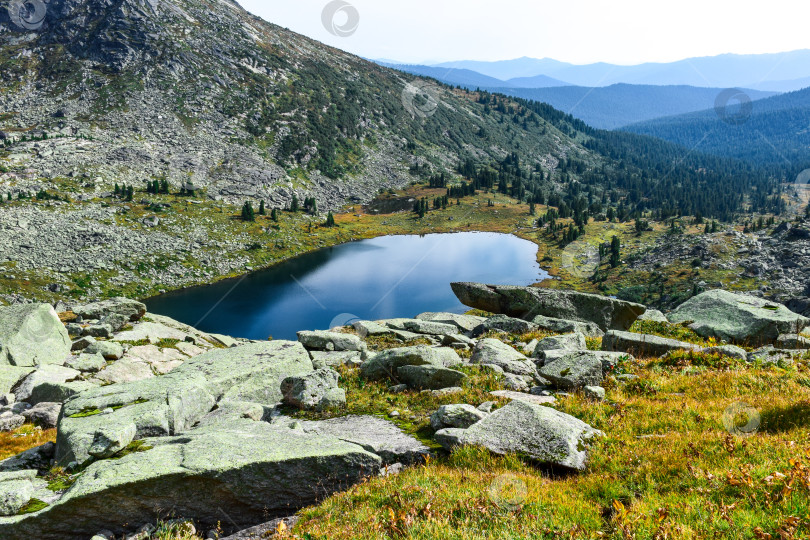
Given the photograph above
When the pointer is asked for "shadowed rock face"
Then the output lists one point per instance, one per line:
(529, 302)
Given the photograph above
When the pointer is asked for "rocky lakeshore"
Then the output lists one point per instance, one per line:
(155, 418)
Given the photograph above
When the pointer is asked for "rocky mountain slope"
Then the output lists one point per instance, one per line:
(206, 92)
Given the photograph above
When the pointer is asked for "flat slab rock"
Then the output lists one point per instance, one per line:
(528, 302)
(520, 396)
(252, 470)
(173, 403)
(643, 344)
(376, 435)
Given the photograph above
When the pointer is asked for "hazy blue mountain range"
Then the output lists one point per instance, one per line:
(622, 104)
(777, 72)
(603, 107)
(775, 131)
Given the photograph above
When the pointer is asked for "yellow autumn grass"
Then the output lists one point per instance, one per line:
(668, 467)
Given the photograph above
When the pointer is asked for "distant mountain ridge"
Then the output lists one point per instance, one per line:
(609, 107)
(620, 105)
(784, 71)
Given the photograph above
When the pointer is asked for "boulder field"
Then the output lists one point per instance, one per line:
(152, 414)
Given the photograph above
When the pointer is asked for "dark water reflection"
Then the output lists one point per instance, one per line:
(392, 276)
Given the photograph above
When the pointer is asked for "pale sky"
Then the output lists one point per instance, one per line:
(576, 31)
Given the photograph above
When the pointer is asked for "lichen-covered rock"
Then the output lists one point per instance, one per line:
(313, 391)
(172, 403)
(528, 302)
(384, 365)
(16, 489)
(495, 352)
(252, 469)
(48, 373)
(792, 341)
(10, 376)
(333, 359)
(504, 323)
(653, 315)
(38, 458)
(132, 310)
(538, 432)
(574, 370)
(566, 342)
(124, 371)
(464, 323)
(738, 318)
(643, 344)
(429, 377)
(330, 341)
(376, 435)
(32, 335)
(562, 326)
(110, 350)
(10, 421)
(594, 393)
(110, 439)
(86, 362)
(456, 416)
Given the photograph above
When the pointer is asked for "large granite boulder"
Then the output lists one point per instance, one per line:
(582, 368)
(540, 433)
(497, 353)
(384, 365)
(48, 373)
(251, 470)
(574, 370)
(314, 391)
(566, 342)
(738, 318)
(456, 416)
(643, 344)
(429, 377)
(173, 403)
(529, 302)
(32, 335)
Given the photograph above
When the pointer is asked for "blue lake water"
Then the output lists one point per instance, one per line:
(390, 276)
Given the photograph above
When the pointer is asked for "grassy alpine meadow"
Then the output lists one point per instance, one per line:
(694, 447)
